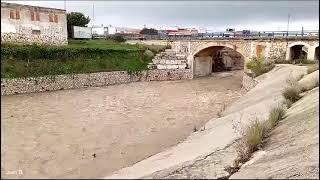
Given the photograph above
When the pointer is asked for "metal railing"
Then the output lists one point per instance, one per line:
(231, 35)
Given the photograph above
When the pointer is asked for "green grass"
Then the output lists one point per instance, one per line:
(102, 43)
(80, 56)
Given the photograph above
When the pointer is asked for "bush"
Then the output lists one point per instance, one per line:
(295, 61)
(275, 116)
(312, 68)
(259, 66)
(303, 61)
(119, 38)
(288, 103)
(148, 54)
(254, 136)
(292, 92)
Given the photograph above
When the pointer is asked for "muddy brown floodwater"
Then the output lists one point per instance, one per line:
(91, 132)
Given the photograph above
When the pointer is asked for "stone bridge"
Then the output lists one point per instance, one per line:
(202, 56)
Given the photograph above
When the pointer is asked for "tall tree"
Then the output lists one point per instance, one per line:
(76, 19)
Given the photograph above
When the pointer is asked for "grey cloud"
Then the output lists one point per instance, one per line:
(195, 13)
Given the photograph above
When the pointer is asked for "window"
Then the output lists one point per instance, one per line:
(32, 16)
(11, 14)
(56, 18)
(14, 14)
(35, 16)
(53, 18)
(50, 18)
(17, 14)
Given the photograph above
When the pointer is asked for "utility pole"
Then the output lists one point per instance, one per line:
(92, 13)
(302, 33)
(288, 25)
(65, 4)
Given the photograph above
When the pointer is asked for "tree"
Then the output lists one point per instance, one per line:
(118, 38)
(76, 19)
(149, 31)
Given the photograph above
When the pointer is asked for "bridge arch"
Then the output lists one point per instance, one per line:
(296, 50)
(314, 52)
(215, 56)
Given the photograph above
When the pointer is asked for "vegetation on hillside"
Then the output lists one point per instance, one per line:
(259, 66)
(80, 56)
(295, 61)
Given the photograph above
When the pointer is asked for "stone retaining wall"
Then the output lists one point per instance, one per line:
(50, 83)
(248, 82)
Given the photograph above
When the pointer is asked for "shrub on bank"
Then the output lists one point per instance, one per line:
(259, 66)
(118, 38)
(253, 136)
(313, 68)
(294, 61)
(292, 91)
(275, 116)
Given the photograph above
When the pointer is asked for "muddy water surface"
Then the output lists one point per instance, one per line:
(89, 133)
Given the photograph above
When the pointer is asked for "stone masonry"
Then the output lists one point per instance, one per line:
(50, 83)
(169, 59)
(271, 48)
(24, 24)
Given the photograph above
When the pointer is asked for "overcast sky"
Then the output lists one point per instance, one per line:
(214, 15)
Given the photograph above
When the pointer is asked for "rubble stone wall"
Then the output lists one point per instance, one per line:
(60, 82)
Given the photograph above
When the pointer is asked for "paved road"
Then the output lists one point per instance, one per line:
(89, 133)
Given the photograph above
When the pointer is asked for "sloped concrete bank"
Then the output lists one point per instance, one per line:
(205, 153)
(292, 150)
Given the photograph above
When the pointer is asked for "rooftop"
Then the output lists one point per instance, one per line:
(14, 5)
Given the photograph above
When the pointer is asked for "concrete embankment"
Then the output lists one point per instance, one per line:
(292, 151)
(205, 153)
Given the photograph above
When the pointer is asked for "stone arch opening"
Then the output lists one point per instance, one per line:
(298, 52)
(316, 53)
(216, 59)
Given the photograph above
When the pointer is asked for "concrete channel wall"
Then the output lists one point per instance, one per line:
(60, 82)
